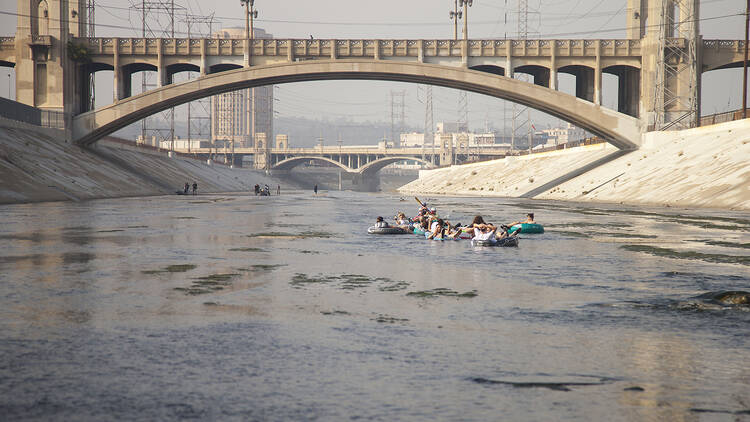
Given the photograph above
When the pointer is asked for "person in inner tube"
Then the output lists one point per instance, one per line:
(529, 220)
(379, 222)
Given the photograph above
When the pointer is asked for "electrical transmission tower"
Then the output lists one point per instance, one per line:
(524, 30)
(398, 115)
(198, 111)
(463, 112)
(429, 123)
(676, 100)
(157, 21)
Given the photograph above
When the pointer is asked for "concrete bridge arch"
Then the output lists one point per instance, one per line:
(621, 130)
(373, 167)
(290, 163)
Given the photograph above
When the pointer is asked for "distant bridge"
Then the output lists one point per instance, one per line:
(364, 161)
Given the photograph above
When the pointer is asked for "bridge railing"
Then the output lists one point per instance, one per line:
(726, 116)
(22, 113)
(327, 48)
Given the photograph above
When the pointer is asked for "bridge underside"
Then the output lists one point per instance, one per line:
(619, 129)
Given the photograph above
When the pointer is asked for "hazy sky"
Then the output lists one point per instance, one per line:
(427, 19)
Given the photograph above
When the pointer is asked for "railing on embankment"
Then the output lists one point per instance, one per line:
(726, 116)
(14, 110)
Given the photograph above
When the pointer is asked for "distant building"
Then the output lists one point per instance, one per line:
(416, 139)
(559, 136)
(230, 119)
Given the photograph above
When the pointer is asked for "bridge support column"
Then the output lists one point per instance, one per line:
(598, 75)
(377, 50)
(365, 182)
(117, 76)
(509, 59)
(628, 92)
(204, 62)
(553, 66)
(585, 84)
(161, 71)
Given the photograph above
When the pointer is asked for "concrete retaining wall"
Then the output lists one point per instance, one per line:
(38, 165)
(701, 167)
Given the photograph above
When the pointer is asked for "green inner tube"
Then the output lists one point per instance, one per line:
(527, 228)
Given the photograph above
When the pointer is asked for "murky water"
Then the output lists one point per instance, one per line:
(239, 307)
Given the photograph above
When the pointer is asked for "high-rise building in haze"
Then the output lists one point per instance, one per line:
(230, 119)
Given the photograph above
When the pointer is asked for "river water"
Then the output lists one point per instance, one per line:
(237, 307)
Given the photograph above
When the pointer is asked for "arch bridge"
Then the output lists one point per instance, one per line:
(658, 68)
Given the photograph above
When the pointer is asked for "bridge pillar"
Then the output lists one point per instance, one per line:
(598, 75)
(585, 83)
(670, 94)
(446, 149)
(204, 60)
(162, 75)
(553, 66)
(45, 72)
(262, 152)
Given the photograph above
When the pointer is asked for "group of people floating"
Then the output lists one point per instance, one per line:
(428, 222)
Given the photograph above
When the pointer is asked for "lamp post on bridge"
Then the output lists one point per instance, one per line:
(466, 4)
(250, 14)
(455, 15)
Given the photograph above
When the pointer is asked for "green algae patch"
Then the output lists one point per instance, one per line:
(349, 282)
(334, 312)
(208, 284)
(180, 268)
(110, 231)
(387, 319)
(690, 255)
(305, 251)
(185, 218)
(299, 280)
(394, 286)
(726, 244)
(266, 267)
(442, 292)
(247, 250)
(177, 268)
(216, 278)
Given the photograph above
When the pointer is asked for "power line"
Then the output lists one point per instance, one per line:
(559, 34)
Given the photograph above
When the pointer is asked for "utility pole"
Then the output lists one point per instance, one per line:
(744, 66)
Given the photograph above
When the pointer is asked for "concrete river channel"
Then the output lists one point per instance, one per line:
(237, 307)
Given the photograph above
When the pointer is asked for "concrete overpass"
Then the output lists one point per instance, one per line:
(658, 68)
(622, 130)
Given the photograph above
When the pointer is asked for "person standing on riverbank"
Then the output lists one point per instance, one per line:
(195, 188)
(278, 189)
(315, 189)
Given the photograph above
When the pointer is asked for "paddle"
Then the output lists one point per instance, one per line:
(420, 202)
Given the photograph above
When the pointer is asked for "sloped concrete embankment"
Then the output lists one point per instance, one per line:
(701, 167)
(510, 176)
(37, 165)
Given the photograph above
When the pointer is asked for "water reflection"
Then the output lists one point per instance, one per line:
(585, 321)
